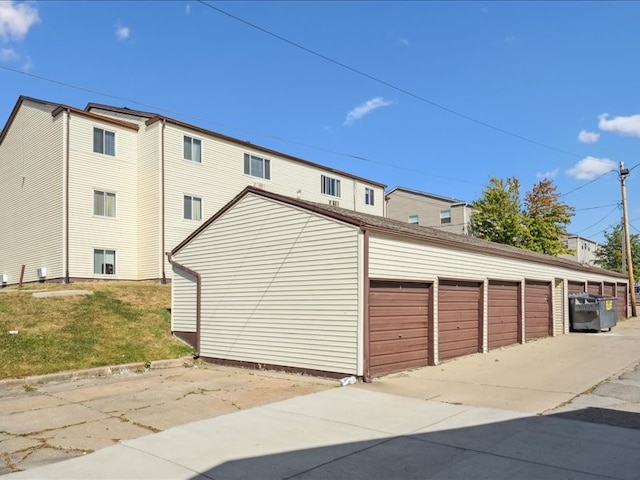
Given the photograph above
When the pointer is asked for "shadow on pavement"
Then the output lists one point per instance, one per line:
(552, 446)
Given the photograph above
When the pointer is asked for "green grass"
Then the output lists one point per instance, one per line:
(122, 322)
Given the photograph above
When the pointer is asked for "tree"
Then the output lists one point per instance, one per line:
(546, 219)
(609, 253)
(497, 214)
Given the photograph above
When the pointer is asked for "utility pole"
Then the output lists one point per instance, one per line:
(624, 173)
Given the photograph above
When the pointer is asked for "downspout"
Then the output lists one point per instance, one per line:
(66, 200)
(367, 286)
(162, 213)
(198, 298)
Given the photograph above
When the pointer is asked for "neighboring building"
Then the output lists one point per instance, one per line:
(104, 192)
(428, 210)
(271, 280)
(584, 249)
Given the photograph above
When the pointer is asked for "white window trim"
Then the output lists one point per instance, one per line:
(192, 197)
(104, 252)
(369, 196)
(332, 183)
(416, 217)
(443, 216)
(115, 203)
(247, 164)
(191, 160)
(104, 132)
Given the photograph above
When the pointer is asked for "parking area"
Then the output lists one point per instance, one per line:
(49, 422)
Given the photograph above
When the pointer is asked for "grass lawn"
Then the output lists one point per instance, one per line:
(122, 322)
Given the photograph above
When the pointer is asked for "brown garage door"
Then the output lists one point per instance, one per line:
(621, 294)
(459, 318)
(503, 313)
(398, 326)
(575, 287)
(609, 289)
(594, 287)
(537, 315)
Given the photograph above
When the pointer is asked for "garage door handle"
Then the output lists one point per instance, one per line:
(399, 335)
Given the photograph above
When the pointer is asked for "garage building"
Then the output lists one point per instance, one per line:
(273, 281)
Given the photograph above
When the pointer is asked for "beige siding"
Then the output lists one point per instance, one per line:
(559, 306)
(31, 194)
(279, 286)
(150, 251)
(404, 259)
(402, 204)
(91, 171)
(183, 301)
(221, 177)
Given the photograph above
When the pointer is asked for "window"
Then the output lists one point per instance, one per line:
(192, 149)
(192, 208)
(414, 219)
(104, 262)
(104, 204)
(104, 142)
(257, 167)
(445, 216)
(368, 196)
(330, 186)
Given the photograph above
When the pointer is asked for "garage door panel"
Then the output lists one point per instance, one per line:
(575, 287)
(537, 310)
(396, 333)
(503, 313)
(459, 317)
(398, 326)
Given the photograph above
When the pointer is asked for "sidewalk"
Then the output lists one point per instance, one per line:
(473, 417)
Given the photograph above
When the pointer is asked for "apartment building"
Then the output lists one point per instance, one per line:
(104, 192)
(428, 210)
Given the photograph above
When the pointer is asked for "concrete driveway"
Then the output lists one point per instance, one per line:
(42, 423)
(510, 413)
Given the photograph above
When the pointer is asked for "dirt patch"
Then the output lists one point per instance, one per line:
(57, 421)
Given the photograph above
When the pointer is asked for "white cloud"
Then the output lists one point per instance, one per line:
(548, 175)
(366, 108)
(187, 8)
(7, 54)
(623, 125)
(122, 32)
(588, 137)
(590, 167)
(16, 19)
(404, 42)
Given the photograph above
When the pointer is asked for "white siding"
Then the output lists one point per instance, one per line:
(183, 301)
(31, 194)
(150, 251)
(279, 286)
(89, 171)
(559, 306)
(220, 177)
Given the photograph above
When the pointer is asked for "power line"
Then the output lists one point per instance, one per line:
(388, 84)
(586, 184)
(599, 221)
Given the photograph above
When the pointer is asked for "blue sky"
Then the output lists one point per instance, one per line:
(433, 96)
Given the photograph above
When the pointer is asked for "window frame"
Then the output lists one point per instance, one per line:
(191, 141)
(330, 186)
(369, 196)
(102, 146)
(191, 209)
(265, 168)
(105, 195)
(103, 263)
(444, 216)
(413, 217)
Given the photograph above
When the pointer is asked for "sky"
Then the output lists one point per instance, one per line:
(432, 96)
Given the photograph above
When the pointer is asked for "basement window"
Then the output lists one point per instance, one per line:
(104, 262)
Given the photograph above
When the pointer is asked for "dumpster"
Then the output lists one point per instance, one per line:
(591, 312)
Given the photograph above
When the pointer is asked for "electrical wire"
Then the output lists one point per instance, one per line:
(388, 84)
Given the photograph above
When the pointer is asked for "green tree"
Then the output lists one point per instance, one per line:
(546, 219)
(497, 215)
(609, 253)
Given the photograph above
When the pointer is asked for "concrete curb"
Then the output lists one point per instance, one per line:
(110, 371)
